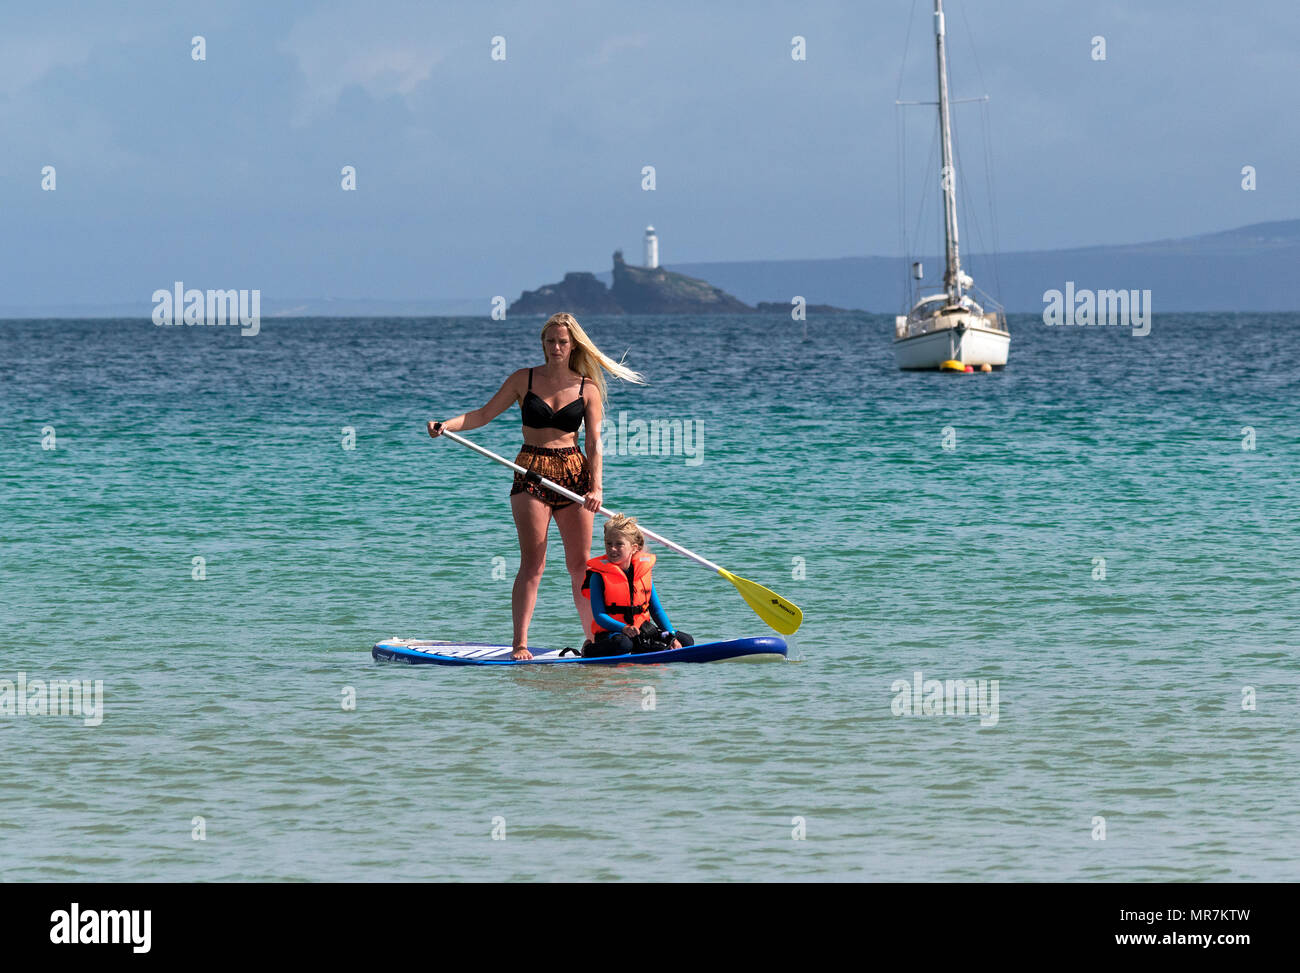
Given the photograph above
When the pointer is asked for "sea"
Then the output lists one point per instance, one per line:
(1094, 550)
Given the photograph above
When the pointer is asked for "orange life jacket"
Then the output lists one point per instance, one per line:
(632, 606)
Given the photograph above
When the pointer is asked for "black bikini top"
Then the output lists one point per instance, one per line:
(539, 415)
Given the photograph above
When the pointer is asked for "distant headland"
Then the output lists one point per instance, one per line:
(1231, 270)
(642, 290)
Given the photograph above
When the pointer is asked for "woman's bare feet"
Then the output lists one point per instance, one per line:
(521, 652)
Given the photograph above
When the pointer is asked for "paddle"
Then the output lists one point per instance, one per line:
(782, 615)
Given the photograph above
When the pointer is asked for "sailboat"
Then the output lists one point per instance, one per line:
(948, 330)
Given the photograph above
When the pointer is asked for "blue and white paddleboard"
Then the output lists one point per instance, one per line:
(424, 652)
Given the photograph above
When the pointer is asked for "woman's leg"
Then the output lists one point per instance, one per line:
(532, 519)
(574, 522)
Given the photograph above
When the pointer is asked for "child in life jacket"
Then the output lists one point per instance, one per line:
(624, 604)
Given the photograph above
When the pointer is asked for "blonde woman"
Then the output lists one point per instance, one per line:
(556, 399)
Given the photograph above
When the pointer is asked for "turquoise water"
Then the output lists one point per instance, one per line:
(823, 474)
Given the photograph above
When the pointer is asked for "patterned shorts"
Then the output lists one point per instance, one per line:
(566, 466)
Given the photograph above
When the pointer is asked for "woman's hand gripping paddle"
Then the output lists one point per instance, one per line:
(778, 613)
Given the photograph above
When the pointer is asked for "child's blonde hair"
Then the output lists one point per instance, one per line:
(618, 524)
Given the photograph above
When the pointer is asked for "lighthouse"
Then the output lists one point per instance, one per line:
(651, 248)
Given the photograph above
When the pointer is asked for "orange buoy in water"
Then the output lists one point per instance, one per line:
(986, 367)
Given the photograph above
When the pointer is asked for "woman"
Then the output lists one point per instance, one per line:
(555, 399)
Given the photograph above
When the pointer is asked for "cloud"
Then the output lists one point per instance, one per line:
(345, 47)
(26, 60)
(612, 45)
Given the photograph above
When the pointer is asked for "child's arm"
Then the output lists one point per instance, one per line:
(605, 621)
(657, 612)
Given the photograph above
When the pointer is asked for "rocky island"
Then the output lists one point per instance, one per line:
(638, 290)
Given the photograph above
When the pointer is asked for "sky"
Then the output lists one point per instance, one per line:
(478, 177)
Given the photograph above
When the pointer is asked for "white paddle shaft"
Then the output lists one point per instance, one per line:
(552, 485)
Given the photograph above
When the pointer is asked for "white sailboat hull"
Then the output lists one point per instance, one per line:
(966, 338)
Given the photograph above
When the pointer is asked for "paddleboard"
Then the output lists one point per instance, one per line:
(423, 652)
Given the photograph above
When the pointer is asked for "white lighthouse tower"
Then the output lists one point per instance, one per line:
(651, 248)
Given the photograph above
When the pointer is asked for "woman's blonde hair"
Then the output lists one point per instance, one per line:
(586, 359)
(618, 524)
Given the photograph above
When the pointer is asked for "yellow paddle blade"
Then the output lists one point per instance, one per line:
(781, 615)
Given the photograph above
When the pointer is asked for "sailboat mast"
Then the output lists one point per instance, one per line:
(952, 268)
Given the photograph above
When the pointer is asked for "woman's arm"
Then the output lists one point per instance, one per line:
(607, 622)
(504, 399)
(591, 439)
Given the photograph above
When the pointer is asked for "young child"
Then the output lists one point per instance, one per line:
(624, 604)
